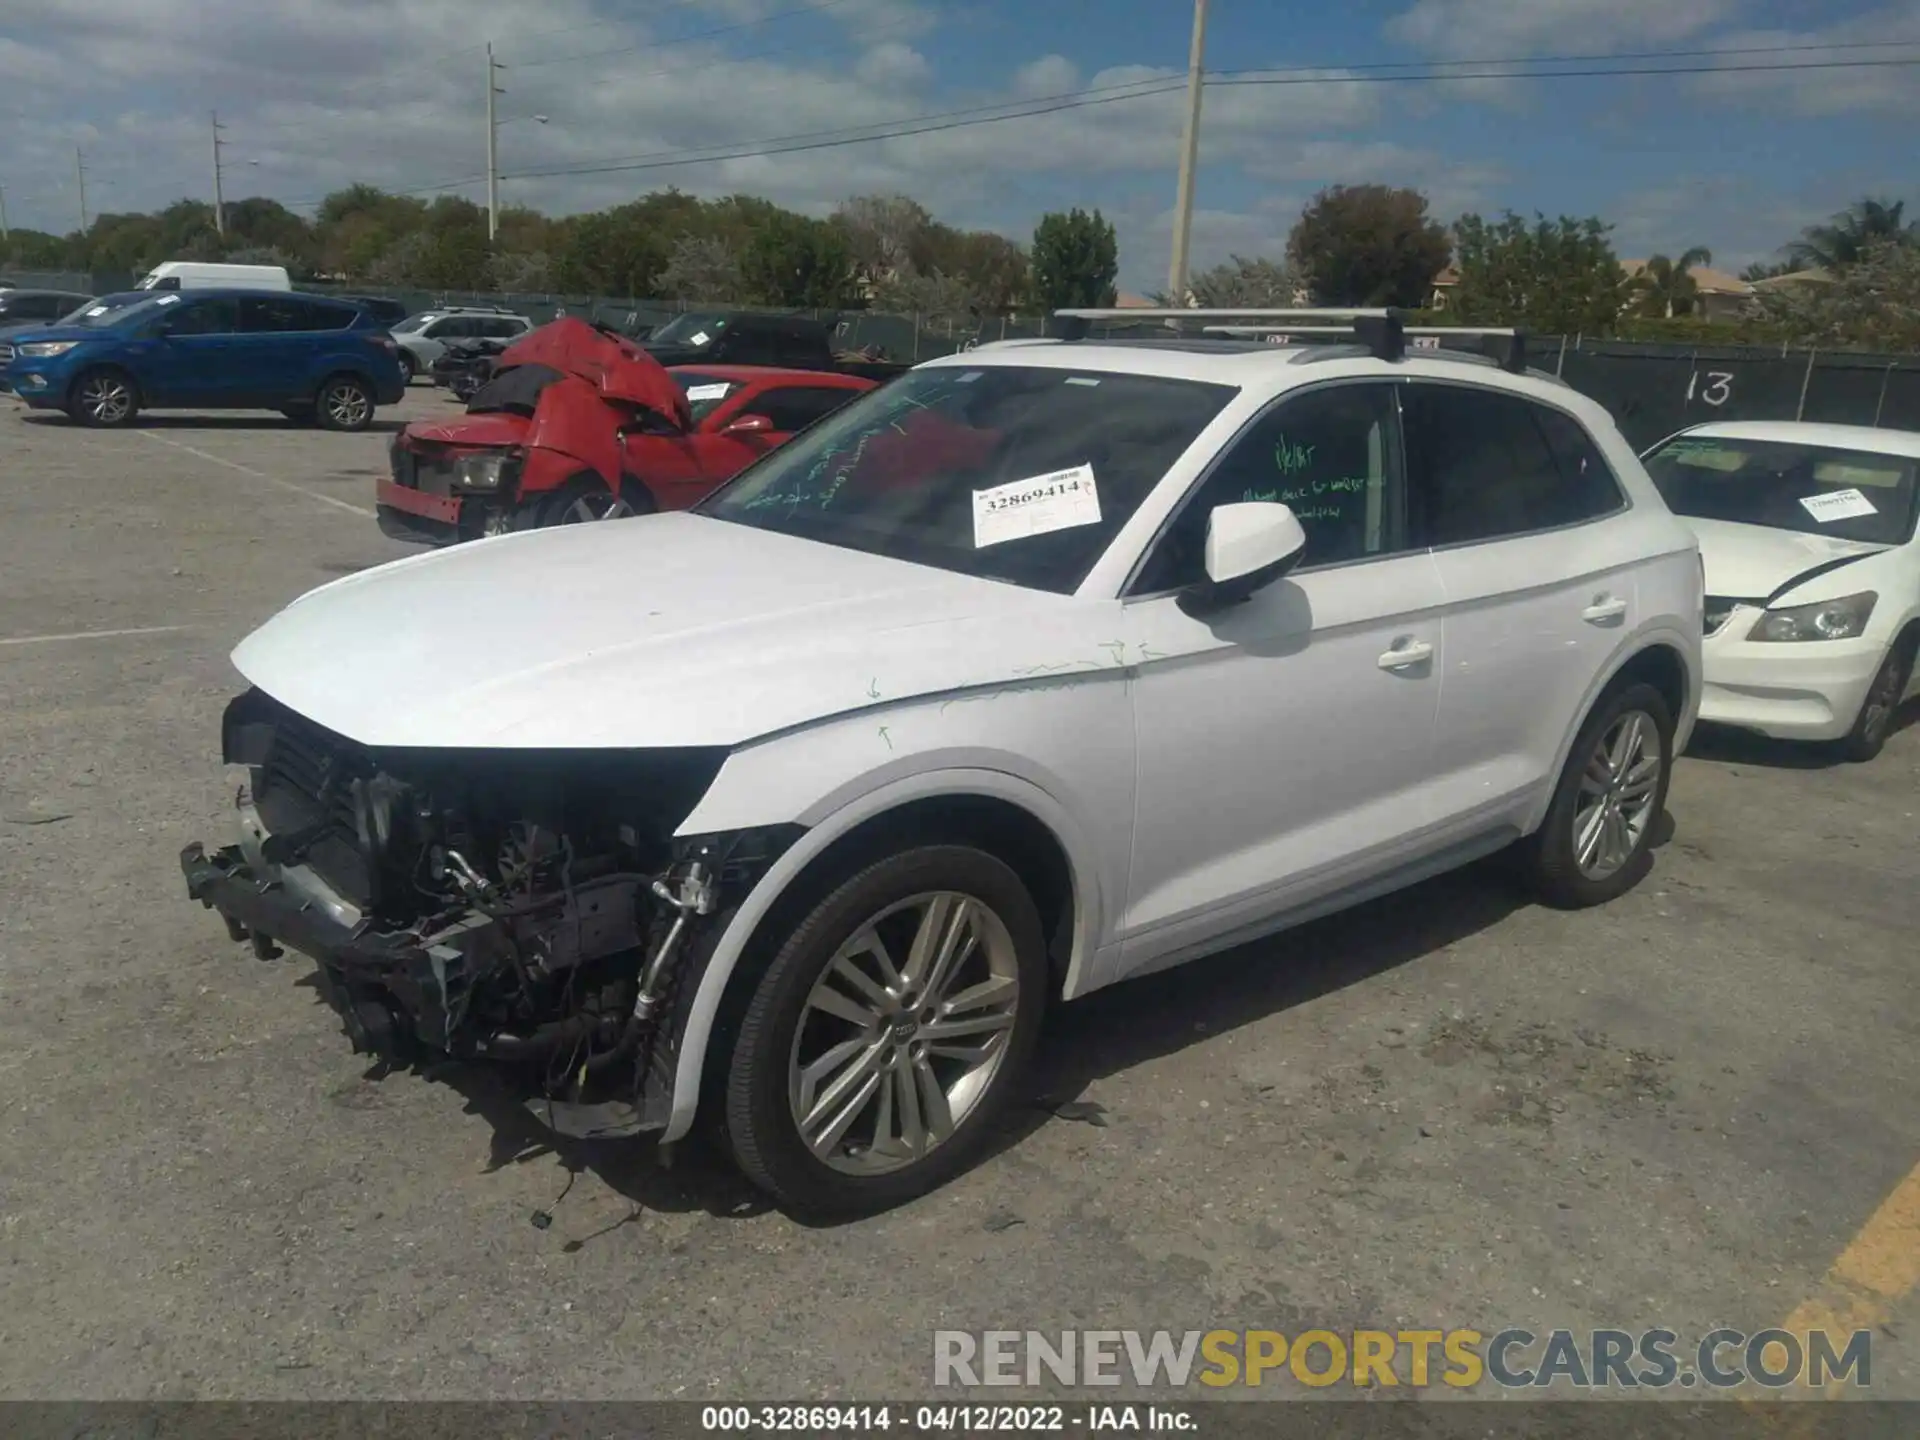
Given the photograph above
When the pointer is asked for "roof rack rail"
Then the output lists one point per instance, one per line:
(1383, 331)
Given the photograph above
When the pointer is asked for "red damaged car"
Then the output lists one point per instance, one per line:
(578, 423)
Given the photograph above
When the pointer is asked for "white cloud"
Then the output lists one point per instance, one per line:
(1049, 75)
(1887, 89)
(893, 66)
(1501, 29)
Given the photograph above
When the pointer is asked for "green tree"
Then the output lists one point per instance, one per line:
(1554, 276)
(1665, 287)
(1368, 245)
(614, 252)
(886, 235)
(798, 262)
(1240, 282)
(1848, 237)
(993, 268)
(701, 268)
(1075, 260)
(1872, 303)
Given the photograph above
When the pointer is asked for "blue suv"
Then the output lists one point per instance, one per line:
(311, 358)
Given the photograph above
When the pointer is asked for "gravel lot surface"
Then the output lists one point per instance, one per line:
(1449, 1108)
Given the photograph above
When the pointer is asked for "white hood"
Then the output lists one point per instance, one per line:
(1751, 562)
(667, 630)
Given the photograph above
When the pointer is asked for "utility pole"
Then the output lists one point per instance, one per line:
(80, 177)
(493, 147)
(3, 213)
(219, 203)
(1189, 158)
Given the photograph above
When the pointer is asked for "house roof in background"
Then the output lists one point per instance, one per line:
(1709, 281)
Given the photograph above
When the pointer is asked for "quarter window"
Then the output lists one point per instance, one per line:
(1485, 465)
(1330, 455)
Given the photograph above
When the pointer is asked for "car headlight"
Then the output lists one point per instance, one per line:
(1840, 619)
(45, 349)
(482, 472)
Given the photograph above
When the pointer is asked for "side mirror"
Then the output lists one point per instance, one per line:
(748, 425)
(1249, 546)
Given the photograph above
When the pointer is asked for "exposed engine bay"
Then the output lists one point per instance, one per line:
(526, 907)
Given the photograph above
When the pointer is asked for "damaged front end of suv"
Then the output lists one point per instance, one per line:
(530, 908)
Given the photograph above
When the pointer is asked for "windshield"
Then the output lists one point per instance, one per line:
(113, 309)
(1814, 489)
(688, 330)
(414, 322)
(705, 393)
(1013, 473)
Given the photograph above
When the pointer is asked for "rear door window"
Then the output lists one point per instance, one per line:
(1485, 465)
(322, 315)
(203, 317)
(271, 315)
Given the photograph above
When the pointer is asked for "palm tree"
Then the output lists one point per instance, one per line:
(1666, 287)
(1843, 240)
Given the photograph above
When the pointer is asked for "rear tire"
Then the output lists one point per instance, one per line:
(345, 403)
(104, 398)
(1874, 723)
(1596, 841)
(851, 1098)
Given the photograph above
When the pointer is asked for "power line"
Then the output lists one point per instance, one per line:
(957, 120)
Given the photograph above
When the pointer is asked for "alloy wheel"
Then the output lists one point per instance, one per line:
(106, 399)
(1617, 791)
(596, 505)
(347, 405)
(892, 1055)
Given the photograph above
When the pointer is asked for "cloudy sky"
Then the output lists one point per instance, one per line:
(641, 94)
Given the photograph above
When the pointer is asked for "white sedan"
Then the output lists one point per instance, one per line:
(1044, 666)
(1813, 573)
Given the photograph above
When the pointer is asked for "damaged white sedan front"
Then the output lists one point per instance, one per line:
(1043, 666)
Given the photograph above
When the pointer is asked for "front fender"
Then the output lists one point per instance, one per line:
(835, 812)
(572, 429)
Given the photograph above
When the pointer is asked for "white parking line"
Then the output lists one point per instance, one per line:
(260, 475)
(94, 635)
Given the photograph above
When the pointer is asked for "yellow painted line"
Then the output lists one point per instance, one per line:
(1879, 1267)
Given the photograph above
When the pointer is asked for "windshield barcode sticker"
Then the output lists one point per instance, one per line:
(708, 392)
(1039, 506)
(1837, 505)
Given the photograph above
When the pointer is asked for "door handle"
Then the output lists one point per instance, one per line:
(1603, 609)
(1402, 657)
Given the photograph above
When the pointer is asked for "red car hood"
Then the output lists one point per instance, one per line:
(498, 429)
(618, 368)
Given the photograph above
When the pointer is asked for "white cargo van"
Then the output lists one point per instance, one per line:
(197, 275)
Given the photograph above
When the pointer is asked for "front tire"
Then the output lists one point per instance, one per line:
(890, 1032)
(406, 367)
(344, 403)
(586, 500)
(103, 398)
(1596, 842)
(1874, 723)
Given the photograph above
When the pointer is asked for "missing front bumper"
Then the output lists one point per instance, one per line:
(395, 993)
